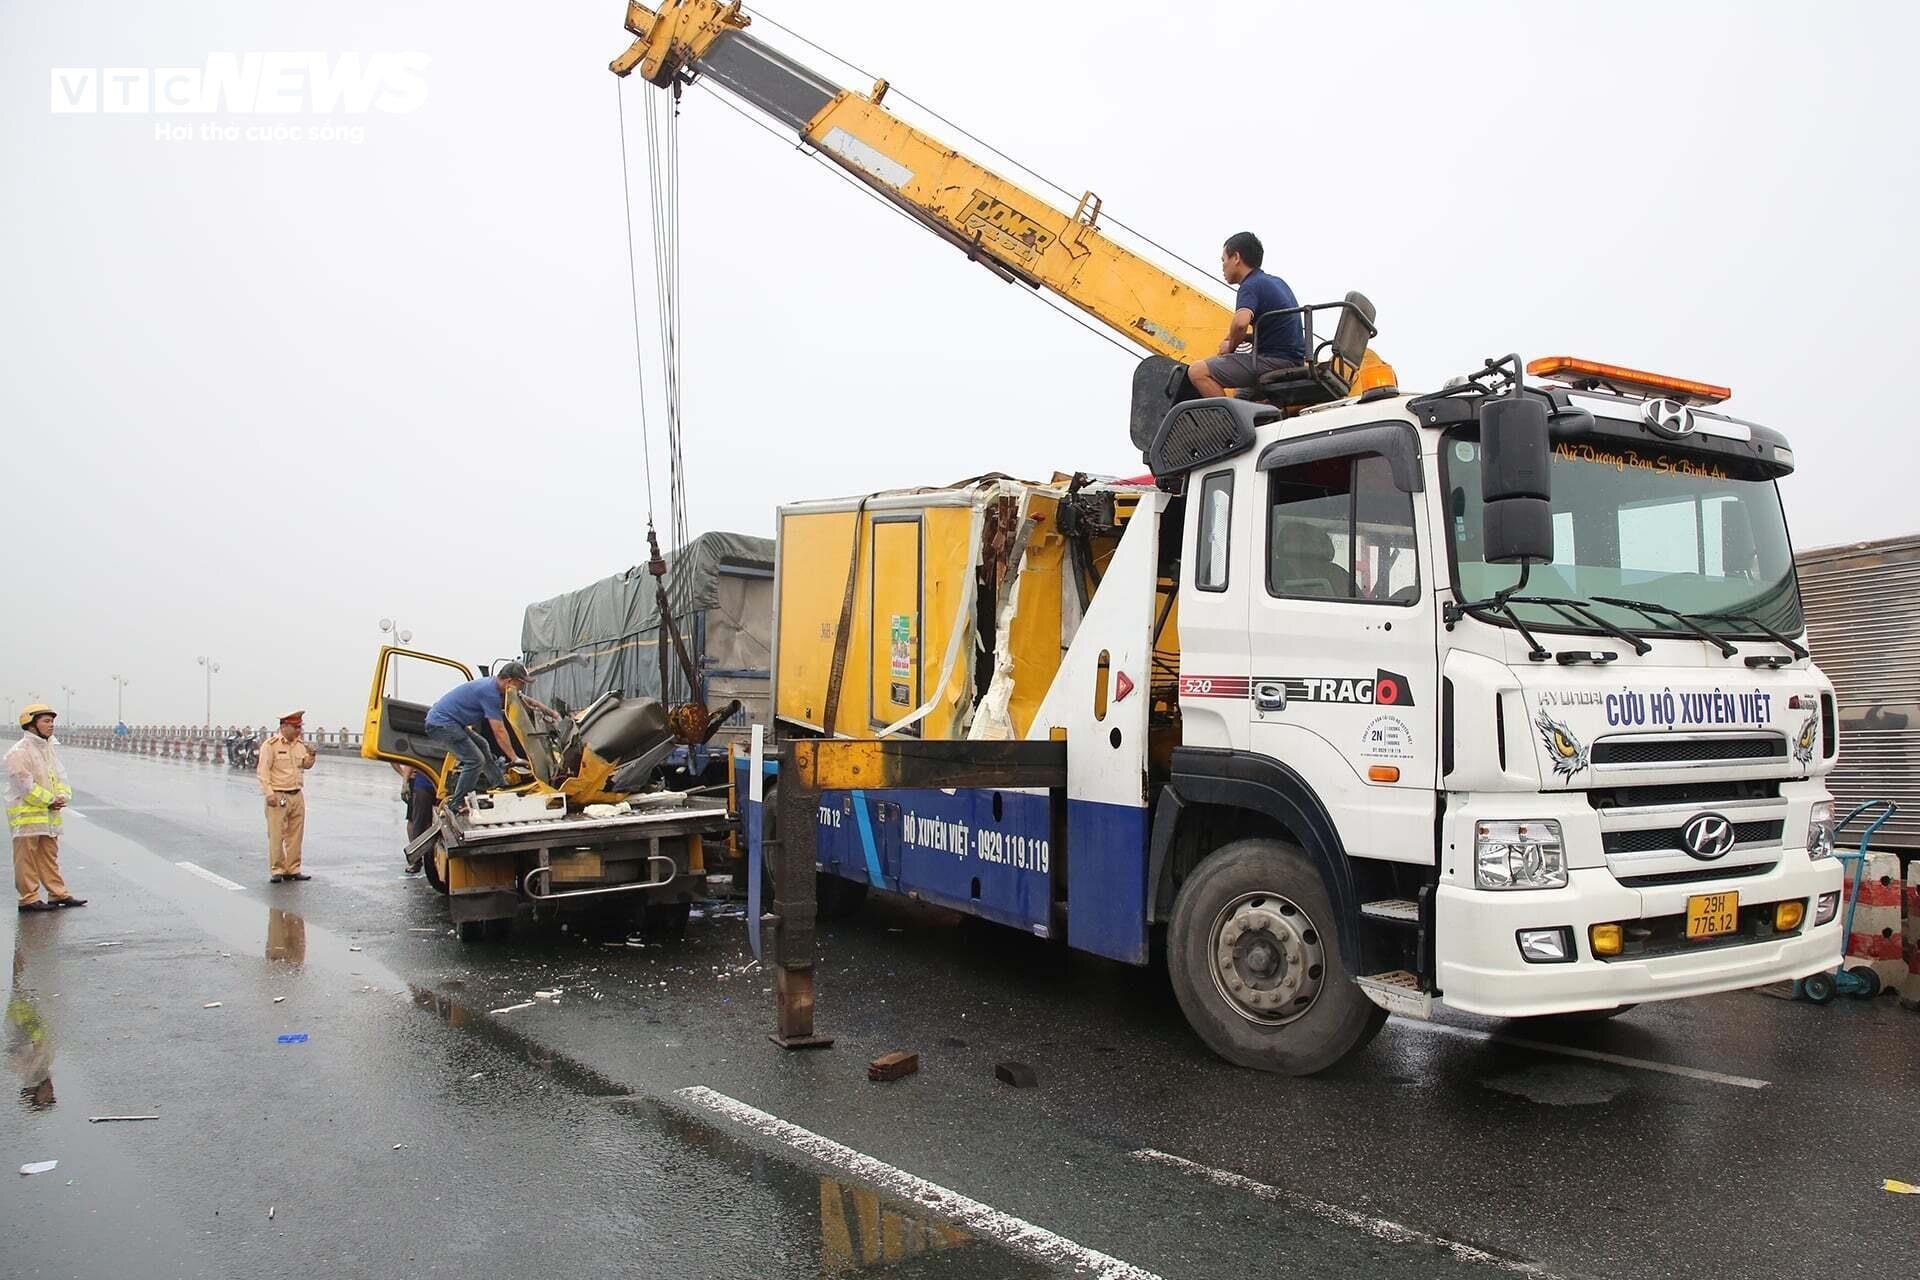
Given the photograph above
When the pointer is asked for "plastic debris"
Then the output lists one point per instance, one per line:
(293, 1037)
(1900, 1188)
(211, 1004)
(270, 1209)
(39, 1166)
(1017, 1074)
(554, 994)
(477, 1075)
(399, 1146)
(513, 1008)
(353, 948)
(109, 1119)
(279, 999)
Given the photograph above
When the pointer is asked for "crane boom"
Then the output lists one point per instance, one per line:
(1017, 235)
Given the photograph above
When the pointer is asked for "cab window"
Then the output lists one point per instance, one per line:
(1214, 533)
(1338, 529)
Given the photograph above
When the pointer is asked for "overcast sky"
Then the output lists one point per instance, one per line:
(260, 394)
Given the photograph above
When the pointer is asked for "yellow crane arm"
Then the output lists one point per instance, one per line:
(1011, 231)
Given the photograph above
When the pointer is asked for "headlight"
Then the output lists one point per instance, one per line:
(1519, 855)
(1820, 830)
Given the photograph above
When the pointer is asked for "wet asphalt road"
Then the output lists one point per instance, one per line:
(417, 1134)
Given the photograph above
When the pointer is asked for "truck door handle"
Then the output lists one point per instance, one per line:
(1270, 695)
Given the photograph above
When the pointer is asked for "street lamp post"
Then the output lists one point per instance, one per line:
(211, 667)
(400, 636)
(119, 698)
(66, 709)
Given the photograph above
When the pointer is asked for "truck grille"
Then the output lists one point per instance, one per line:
(1696, 877)
(1696, 794)
(1669, 837)
(1687, 750)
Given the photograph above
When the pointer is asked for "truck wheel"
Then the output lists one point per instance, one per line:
(434, 866)
(665, 919)
(836, 897)
(473, 930)
(1256, 967)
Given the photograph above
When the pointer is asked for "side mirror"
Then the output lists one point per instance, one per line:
(1515, 452)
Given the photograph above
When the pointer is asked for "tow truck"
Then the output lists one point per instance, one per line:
(1494, 693)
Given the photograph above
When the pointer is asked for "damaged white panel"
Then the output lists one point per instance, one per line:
(862, 156)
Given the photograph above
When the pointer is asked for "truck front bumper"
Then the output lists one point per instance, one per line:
(1480, 968)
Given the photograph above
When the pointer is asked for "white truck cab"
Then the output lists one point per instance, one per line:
(1521, 671)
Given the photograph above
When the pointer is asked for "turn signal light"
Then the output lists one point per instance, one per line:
(1788, 915)
(1607, 939)
(1383, 773)
(1621, 378)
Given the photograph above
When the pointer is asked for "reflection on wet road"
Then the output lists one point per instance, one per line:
(638, 1122)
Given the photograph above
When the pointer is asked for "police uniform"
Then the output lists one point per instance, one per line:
(282, 773)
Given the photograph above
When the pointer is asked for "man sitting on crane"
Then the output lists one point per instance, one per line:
(1277, 344)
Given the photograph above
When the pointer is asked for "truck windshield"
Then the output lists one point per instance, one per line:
(1666, 529)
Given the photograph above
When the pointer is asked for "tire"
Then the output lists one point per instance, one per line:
(1579, 1016)
(1256, 914)
(1867, 975)
(1817, 987)
(665, 919)
(430, 867)
(472, 931)
(836, 897)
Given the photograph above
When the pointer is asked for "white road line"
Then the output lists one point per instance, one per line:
(195, 869)
(982, 1220)
(1573, 1051)
(1379, 1228)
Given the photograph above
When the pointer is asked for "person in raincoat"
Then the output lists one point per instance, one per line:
(37, 790)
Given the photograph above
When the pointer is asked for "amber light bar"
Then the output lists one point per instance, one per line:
(1568, 369)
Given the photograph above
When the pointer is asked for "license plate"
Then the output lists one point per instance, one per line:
(575, 866)
(1711, 914)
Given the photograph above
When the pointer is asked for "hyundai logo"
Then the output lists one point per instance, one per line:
(1707, 836)
(1668, 417)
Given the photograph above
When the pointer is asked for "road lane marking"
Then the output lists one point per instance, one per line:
(195, 869)
(1592, 1055)
(1379, 1228)
(982, 1220)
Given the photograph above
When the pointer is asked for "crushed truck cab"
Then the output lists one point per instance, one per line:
(588, 827)
(1496, 696)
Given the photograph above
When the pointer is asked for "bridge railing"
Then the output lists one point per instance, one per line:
(192, 741)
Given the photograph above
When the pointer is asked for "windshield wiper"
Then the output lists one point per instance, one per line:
(1651, 612)
(1792, 646)
(1569, 607)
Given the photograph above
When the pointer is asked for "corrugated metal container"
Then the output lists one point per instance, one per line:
(1863, 622)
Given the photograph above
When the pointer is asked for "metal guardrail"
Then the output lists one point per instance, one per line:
(194, 742)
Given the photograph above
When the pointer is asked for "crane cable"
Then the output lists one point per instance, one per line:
(663, 169)
(633, 293)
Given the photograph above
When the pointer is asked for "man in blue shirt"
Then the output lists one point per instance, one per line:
(474, 705)
(1277, 342)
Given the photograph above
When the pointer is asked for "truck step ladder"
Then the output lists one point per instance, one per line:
(1398, 992)
(1396, 910)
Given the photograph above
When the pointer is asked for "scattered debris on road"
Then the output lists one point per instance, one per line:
(1017, 1074)
(109, 1119)
(211, 1004)
(293, 1037)
(279, 999)
(513, 1008)
(553, 994)
(270, 1209)
(1900, 1188)
(891, 1066)
(39, 1166)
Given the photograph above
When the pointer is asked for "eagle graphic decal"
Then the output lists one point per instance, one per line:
(1568, 753)
(1806, 740)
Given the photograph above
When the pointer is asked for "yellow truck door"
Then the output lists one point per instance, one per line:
(396, 730)
(893, 678)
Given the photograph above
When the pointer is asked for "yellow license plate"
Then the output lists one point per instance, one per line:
(575, 866)
(1711, 914)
